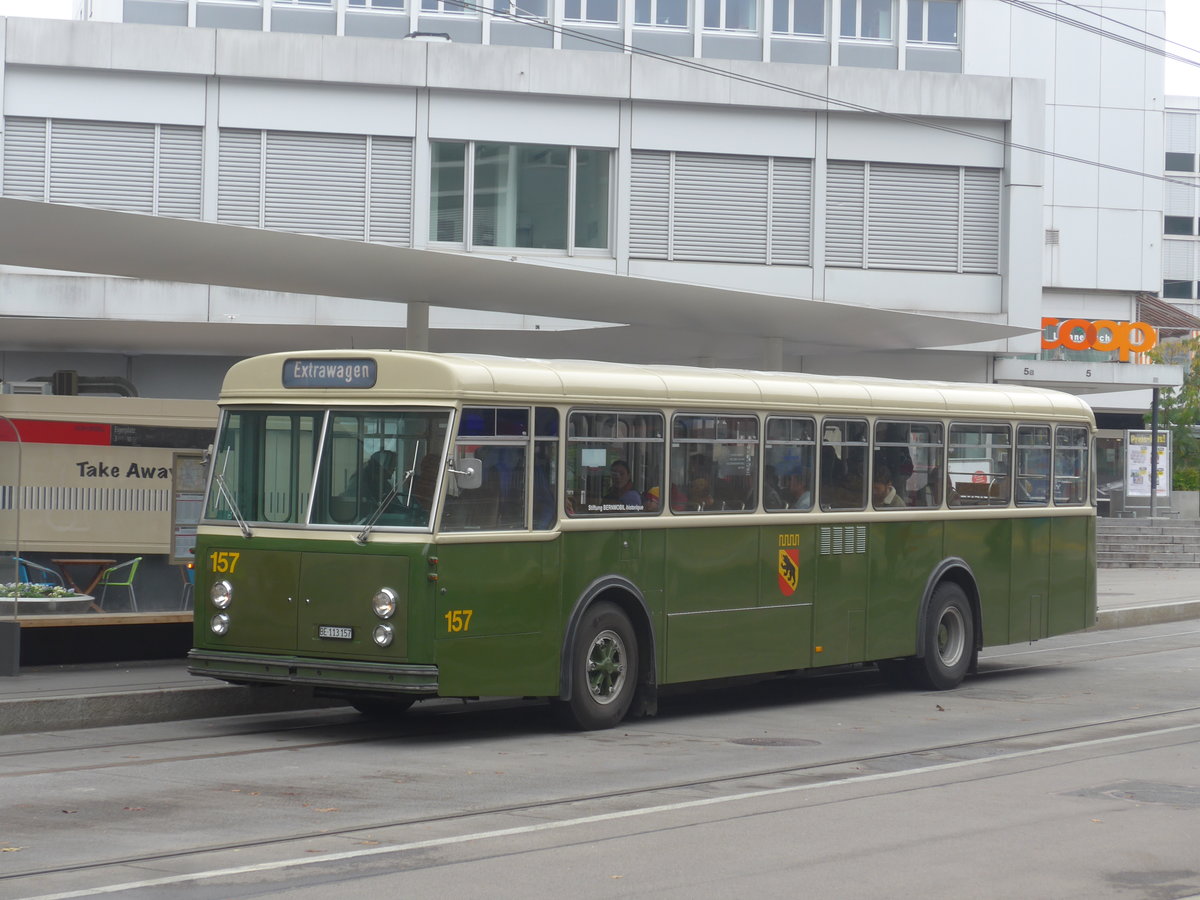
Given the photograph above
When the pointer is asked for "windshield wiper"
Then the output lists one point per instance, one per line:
(391, 495)
(219, 478)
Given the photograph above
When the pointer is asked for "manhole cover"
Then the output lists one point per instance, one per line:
(1177, 795)
(774, 742)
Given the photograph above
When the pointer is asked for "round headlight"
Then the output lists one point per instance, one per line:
(382, 635)
(221, 594)
(219, 623)
(384, 603)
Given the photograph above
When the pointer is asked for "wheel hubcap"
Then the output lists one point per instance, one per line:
(606, 667)
(951, 637)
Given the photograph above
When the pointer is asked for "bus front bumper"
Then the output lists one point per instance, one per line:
(259, 668)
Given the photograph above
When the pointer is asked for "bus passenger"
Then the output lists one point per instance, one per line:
(797, 492)
(621, 492)
(883, 491)
(652, 499)
(772, 498)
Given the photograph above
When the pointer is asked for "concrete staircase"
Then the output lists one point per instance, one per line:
(1147, 543)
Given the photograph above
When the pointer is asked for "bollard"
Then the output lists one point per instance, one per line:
(10, 648)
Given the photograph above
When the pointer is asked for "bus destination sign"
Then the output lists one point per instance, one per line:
(329, 373)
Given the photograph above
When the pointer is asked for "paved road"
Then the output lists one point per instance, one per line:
(1066, 768)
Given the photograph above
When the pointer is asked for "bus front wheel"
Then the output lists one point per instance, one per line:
(604, 669)
(949, 640)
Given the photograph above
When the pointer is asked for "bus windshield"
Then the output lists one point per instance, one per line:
(268, 460)
(373, 455)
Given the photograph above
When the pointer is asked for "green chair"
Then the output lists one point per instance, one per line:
(121, 575)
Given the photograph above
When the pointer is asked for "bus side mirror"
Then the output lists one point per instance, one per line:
(467, 472)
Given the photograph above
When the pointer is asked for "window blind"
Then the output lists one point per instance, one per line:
(355, 187)
(720, 208)
(650, 205)
(1181, 132)
(1180, 260)
(25, 158)
(905, 216)
(845, 213)
(126, 166)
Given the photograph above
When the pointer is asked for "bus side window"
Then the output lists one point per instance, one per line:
(843, 464)
(545, 468)
(714, 464)
(614, 463)
(499, 438)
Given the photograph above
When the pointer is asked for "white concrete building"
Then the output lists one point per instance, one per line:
(817, 185)
(1181, 213)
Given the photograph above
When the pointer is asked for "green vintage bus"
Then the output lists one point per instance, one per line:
(388, 526)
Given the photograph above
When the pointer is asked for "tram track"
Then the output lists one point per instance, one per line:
(889, 764)
(427, 726)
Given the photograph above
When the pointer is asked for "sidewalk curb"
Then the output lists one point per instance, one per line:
(141, 707)
(1146, 614)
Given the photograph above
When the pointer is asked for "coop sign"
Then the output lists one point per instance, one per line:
(1101, 334)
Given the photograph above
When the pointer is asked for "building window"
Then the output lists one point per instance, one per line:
(1179, 290)
(719, 208)
(446, 192)
(660, 12)
(1179, 225)
(867, 19)
(385, 5)
(446, 7)
(1181, 162)
(324, 3)
(806, 17)
(933, 21)
(521, 195)
(901, 216)
(730, 15)
(528, 9)
(599, 11)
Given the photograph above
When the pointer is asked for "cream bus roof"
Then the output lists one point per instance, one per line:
(407, 376)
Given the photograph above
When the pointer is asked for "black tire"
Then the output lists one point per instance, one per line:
(604, 669)
(376, 708)
(949, 640)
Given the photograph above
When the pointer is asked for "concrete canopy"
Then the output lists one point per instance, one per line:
(665, 321)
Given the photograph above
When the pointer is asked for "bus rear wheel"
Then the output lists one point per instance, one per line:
(604, 670)
(949, 640)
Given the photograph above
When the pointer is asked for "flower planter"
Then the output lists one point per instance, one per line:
(24, 599)
(41, 606)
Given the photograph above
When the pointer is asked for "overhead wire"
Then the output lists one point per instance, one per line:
(1100, 32)
(1098, 15)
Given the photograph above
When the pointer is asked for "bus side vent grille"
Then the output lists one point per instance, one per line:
(839, 539)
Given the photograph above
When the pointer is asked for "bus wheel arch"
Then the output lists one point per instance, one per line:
(607, 596)
(949, 628)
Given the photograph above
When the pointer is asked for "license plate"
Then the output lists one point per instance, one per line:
(340, 632)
